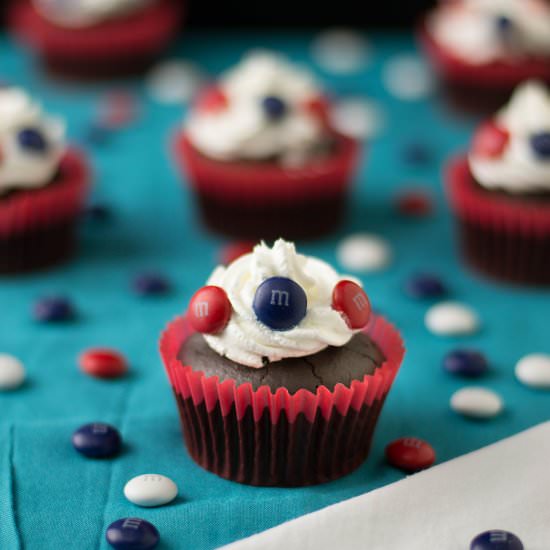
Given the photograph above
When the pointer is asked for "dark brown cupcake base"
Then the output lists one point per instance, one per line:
(38, 248)
(283, 454)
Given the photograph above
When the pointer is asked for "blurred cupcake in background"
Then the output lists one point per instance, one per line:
(280, 370)
(96, 38)
(261, 156)
(43, 186)
(500, 191)
(484, 48)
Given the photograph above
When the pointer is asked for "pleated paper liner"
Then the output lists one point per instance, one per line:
(119, 47)
(505, 237)
(266, 200)
(274, 438)
(38, 226)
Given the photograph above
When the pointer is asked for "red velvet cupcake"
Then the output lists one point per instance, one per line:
(500, 192)
(87, 39)
(484, 48)
(261, 156)
(279, 370)
(43, 187)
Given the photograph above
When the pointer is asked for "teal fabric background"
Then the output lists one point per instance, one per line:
(50, 497)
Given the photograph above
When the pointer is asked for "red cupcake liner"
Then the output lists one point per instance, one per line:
(503, 236)
(494, 76)
(261, 437)
(38, 226)
(111, 48)
(259, 201)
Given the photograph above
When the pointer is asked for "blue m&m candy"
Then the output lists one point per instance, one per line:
(97, 440)
(466, 362)
(503, 24)
(148, 284)
(280, 303)
(541, 144)
(496, 540)
(53, 308)
(423, 286)
(32, 140)
(132, 534)
(274, 107)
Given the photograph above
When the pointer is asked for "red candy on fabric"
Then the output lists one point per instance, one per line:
(212, 100)
(490, 140)
(209, 310)
(234, 250)
(410, 454)
(117, 110)
(352, 302)
(320, 107)
(103, 363)
(414, 204)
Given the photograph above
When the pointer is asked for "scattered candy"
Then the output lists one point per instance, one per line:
(408, 77)
(425, 286)
(496, 540)
(541, 145)
(490, 140)
(230, 252)
(132, 534)
(466, 362)
(96, 134)
(280, 303)
(32, 140)
(451, 319)
(150, 490)
(364, 252)
(52, 309)
(476, 402)
(103, 363)
(12, 372)
(174, 81)
(209, 310)
(534, 370)
(352, 302)
(98, 213)
(148, 284)
(417, 153)
(116, 110)
(357, 117)
(97, 440)
(410, 454)
(414, 203)
(341, 51)
(274, 107)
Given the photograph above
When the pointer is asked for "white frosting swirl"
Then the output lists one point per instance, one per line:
(468, 28)
(518, 169)
(21, 167)
(245, 340)
(242, 131)
(84, 13)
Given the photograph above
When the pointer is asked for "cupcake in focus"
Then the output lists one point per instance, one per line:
(261, 155)
(280, 369)
(500, 191)
(96, 38)
(43, 186)
(485, 48)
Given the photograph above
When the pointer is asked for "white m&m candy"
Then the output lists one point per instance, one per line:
(534, 370)
(12, 372)
(150, 490)
(476, 402)
(451, 319)
(364, 252)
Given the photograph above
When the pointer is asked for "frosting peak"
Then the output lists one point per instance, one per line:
(31, 144)
(246, 340)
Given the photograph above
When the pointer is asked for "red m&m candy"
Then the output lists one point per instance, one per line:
(410, 454)
(351, 301)
(490, 140)
(209, 310)
(103, 363)
(211, 100)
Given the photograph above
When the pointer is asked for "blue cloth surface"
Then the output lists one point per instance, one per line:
(52, 498)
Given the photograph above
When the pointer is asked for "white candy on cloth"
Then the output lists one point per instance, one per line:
(534, 370)
(357, 117)
(340, 51)
(451, 319)
(477, 402)
(12, 372)
(174, 81)
(364, 252)
(150, 490)
(408, 77)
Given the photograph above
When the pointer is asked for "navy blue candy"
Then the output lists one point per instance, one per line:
(417, 153)
(541, 144)
(504, 24)
(32, 140)
(53, 308)
(496, 540)
(466, 362)
(98, 213)
(151, 283)
(280, 303)
(97, 440)
(425, 285)
(132, 534)
(274, 107)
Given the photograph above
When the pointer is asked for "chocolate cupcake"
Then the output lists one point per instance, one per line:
(500, 191)
(280, 370)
